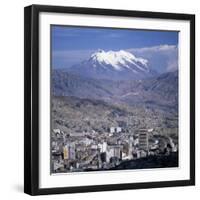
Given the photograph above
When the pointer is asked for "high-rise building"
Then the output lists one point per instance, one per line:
(143, 140)
(113, 151)
(72, 152)
(130, 147)
(103, 147)
(66, 152)
(69, 152)
(117, 152)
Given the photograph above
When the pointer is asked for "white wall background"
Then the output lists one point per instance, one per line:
(11, 99)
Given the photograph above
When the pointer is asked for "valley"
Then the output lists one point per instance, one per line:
(112, 112)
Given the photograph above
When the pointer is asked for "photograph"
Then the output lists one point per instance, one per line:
(114, 99)
(109, 99)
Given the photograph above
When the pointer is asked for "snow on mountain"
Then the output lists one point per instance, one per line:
(119, 60)
(107, 58)
(115, 65)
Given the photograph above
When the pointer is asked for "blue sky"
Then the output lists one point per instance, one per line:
(70, 44)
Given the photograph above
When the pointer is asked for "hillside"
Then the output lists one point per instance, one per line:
(72, 114)
(160, 91)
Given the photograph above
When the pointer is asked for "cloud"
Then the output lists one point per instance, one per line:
(159, 48)
(162, 58)
(172, 65)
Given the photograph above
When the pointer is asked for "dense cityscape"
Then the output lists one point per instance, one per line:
(93, 151)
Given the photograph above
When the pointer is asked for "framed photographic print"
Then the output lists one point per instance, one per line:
(109, 100)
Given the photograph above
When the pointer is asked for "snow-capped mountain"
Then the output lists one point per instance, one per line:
(119, 60)
(115, 65)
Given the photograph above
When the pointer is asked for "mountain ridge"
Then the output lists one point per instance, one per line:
(114, 65)
(160, 90)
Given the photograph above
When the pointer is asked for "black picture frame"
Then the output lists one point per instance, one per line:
(31, 99)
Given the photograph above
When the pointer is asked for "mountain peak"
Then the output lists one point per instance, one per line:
(119, 60)
(113, 65)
